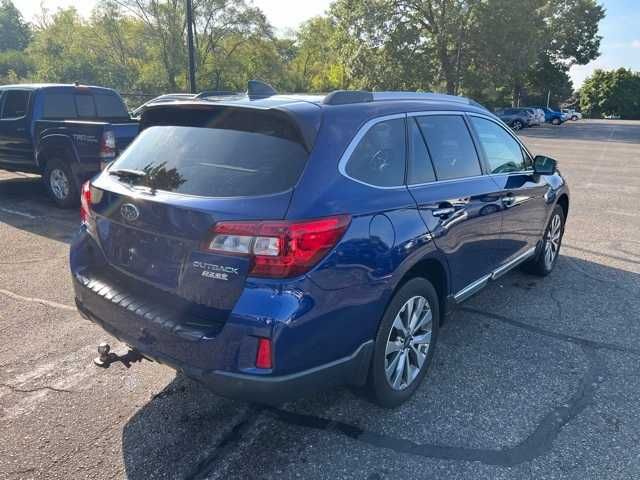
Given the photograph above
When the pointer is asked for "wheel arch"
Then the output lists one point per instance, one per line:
(434, 270)
(53, 146)
(563, 201)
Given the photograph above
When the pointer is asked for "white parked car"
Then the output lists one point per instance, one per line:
(571, 114)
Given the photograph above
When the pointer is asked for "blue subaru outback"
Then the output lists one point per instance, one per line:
(269, 246)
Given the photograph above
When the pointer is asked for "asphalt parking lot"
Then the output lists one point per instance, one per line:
(532, 378)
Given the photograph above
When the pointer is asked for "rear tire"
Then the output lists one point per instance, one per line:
(61, 184)
(405, 343)
(555, 121)
(549, 251)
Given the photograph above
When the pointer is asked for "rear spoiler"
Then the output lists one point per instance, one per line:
(304, 117)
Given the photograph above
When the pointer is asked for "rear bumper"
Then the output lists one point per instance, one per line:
(270, 389)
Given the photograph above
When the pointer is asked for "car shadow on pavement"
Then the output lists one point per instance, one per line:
(24, 204)
(514, 366)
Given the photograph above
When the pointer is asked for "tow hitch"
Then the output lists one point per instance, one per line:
(106, 357)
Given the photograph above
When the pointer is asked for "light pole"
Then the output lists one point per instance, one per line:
(192, 54)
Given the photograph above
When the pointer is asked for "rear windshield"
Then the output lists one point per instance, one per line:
(229, 155)
(84, 105)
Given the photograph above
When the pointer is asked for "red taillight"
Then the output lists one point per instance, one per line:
(85, 202)
(107, 146)
(263, 357)
(279, 249)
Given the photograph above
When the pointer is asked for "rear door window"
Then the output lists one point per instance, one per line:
(59, 106)
(502, 153)
(15, 103)
(450, 145)
(379, 157)
(223, 154)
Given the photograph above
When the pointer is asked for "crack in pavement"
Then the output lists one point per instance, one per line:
(226, 443)
(584, 342)
(35, 389)
(41, 301)
(536, 444)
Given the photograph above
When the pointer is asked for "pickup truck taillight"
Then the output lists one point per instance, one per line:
(85, 203)
(278, 249)
(107, 146)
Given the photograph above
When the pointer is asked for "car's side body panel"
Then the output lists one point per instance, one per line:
(326, 319)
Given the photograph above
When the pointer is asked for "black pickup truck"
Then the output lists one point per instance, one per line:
(63, 132)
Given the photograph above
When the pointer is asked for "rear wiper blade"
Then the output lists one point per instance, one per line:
(127, 173)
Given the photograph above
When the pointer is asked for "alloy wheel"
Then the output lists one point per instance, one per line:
(408, 343)
(552, 241)
(517, 125)
(59, 183)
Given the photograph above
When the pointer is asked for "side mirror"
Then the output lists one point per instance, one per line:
(544, 165)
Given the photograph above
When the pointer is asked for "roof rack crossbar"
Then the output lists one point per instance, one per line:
(344, 97)
(216, 93)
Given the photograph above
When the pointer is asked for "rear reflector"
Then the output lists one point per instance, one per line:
(279, 249)
(263, 357)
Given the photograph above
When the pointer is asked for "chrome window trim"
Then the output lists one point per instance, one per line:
(355, 141)
(449, 180)
(436, 112)
(344, 159)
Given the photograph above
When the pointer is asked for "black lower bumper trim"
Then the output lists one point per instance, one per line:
(272, 390)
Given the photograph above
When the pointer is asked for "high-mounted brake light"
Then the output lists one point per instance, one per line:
(85, 202)
(107, 146)
(279, 249)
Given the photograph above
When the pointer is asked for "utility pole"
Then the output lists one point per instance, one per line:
(192, 54)
(548, 98)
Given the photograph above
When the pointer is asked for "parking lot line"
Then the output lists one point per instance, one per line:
(16, 212)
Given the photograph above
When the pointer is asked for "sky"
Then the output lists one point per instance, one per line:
(620, 46)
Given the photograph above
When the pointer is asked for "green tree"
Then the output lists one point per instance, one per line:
(613, 92)
(15, 34)
(316, 65)
(379, 51)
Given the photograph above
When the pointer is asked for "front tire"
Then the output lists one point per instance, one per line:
(405, 343)
(555, 121)
(60, 183)
(549, 249)
(574, 118)
(517, 125)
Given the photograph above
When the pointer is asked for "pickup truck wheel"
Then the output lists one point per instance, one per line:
(405, 343)
(542, 264)
(555, 121)
(61, 184)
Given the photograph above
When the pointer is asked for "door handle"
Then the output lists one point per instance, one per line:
(443, 212)
(508, 200)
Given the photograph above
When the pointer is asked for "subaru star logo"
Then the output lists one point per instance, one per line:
(129, 212)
